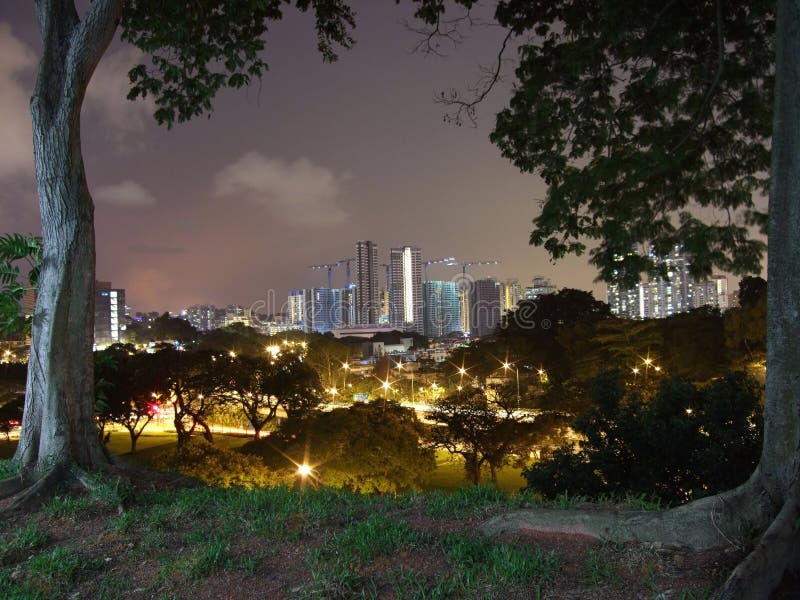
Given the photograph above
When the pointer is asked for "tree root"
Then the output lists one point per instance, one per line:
(11, 486)
(37, 491)
(28, 490)
(777, 551)
(732, 519)
(726, 520)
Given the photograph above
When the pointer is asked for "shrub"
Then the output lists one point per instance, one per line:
(217, 466)
(683, 444)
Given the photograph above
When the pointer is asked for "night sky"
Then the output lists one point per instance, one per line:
(288, 173)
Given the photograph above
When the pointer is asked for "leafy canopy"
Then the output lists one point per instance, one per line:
(638, 113)
(196, 48)
(15, 250)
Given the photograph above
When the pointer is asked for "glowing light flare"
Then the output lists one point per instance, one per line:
(304, 470)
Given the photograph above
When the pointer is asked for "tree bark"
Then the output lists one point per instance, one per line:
(780, 459)
(58, 422)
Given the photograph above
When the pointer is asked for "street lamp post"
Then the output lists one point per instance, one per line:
(345, 368)
(387, 387)
(506, 367)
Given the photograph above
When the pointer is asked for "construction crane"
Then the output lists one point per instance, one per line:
(464, 265)
(436, 261)
(346, 262)
(466, 310)
(329, 267)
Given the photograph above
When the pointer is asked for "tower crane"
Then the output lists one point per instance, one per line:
(346, 262)
(435, 261)
(471, 263)
(329, 267)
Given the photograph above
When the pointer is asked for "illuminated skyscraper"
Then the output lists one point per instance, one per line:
(367, 290)
(405, 306)
(109, 314)
(660, 297)
(203, 317)
(442, 308)
(296, 308)
(512, 294)
(315, 309)
(713, 292)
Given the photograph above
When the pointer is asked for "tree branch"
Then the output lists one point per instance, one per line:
(484, 86)
(444, 30)
(88, 43)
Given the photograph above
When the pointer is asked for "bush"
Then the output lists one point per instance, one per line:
(683, 444)
(217, 466)
(368, 447)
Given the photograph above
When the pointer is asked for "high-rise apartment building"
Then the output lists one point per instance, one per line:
(203, 317)
(484, 306)
(442, 312)
(234, 313)
(367, 290)
(321, 311)
(512, 294)
(109, 314)
(405, 306)
(541, 285)
(295, 309)
(660, 297)
(345, 305)
(712, 292)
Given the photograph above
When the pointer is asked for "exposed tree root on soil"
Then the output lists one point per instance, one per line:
(776, 553)
(29, 489)
(732, 519)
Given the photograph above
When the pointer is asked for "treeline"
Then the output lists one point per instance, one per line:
(571, 338)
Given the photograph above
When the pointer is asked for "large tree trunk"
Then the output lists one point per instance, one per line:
(58, 424)
(780, 460)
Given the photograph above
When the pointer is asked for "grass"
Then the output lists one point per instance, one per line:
(324, 543)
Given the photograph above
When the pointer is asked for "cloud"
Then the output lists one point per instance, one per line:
(297, 193)
(16, 147)
(128, 194)
(153, 249)
(107, 95)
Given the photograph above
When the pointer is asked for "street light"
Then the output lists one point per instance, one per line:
(506, 367)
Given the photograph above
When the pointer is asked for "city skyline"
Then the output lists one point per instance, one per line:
(287, 173)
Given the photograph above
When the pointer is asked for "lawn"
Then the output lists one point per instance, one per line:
(278, 543)
(449, 474)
